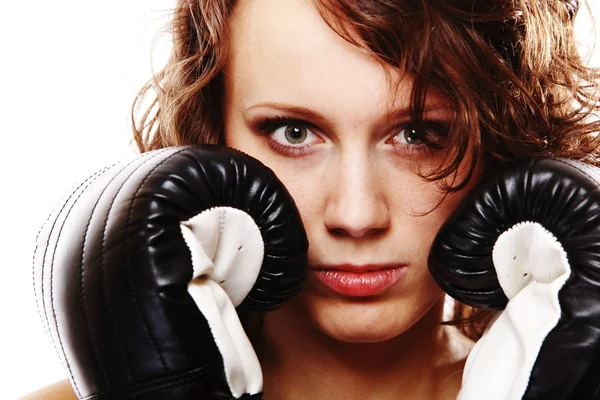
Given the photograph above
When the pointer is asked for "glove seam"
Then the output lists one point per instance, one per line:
(81, 274)
(83, 297)
(98, 359)
(61, 352)
(61, 205)
(583, 171)
(134, 296)
(91, 181)
(110, 309)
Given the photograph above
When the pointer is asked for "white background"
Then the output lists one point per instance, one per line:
(69, 71)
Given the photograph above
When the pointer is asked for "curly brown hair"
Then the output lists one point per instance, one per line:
(511, 67)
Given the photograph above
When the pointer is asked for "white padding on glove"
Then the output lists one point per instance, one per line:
(532, 267)
(227, 253)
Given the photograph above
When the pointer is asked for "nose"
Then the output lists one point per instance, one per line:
(356, 204)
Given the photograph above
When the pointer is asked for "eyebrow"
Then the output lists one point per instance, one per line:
(303, 112)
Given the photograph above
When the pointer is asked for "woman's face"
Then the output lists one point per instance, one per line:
(316, 110)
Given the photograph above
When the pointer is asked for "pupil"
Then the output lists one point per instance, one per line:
(295, 134)
(413, 137)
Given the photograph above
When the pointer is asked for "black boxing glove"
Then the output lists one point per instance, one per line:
(137, 274)
(527, 242)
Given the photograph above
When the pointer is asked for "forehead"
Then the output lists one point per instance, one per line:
(284, 51)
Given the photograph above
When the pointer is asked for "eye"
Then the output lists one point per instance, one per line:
(428, 134)
(294, 134)
(410, 135)
(289, 136)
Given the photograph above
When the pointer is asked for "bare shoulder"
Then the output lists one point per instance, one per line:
(60, 390)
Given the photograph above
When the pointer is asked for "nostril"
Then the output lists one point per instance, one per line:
(337, 231)
(357, 233)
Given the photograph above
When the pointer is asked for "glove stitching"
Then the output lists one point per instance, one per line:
(220, 234)
(61, 352)
(81, 269)
(130, 276)
(580, 169)
(61, 205)
(83, 297)
(110, 309)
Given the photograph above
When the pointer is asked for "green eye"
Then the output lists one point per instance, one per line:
(290, 136)
(295, 134)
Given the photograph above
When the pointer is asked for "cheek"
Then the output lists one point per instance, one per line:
(430, 199)
(418, 210)
(304, 184)
(308, 190)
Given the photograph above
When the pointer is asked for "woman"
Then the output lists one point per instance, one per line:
(378, 117)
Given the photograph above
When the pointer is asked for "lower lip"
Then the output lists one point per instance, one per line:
(360, 284)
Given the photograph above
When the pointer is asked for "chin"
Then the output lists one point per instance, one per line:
(365, 320)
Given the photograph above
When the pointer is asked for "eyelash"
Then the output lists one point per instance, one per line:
(270, 124)
(439, 128)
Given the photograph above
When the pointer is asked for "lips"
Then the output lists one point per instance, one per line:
(359, 280)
